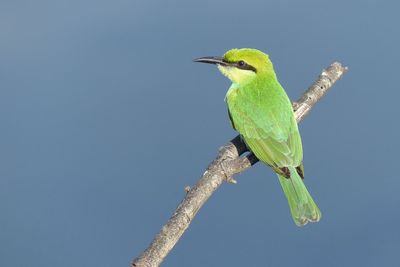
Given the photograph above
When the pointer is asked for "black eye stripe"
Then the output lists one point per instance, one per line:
(240, 64)
(244, 66)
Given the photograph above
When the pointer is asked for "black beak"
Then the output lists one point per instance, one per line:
(211, 60)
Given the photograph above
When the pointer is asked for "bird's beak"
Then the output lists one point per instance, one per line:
(211, 60)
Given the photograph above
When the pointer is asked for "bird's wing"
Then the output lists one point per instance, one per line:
(269, 130)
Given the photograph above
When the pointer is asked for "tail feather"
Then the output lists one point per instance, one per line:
(302, 206)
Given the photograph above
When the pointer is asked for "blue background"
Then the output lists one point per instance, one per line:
(105, 120)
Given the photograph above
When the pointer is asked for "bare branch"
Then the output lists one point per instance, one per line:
(227, 164)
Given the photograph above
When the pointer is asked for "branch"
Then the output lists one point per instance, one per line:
(227, 164)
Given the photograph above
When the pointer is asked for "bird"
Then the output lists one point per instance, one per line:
(261, 111)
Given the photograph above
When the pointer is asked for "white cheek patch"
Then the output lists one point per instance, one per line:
(224, 70)
(237, 75)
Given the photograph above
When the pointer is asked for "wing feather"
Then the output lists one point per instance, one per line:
(266, 121)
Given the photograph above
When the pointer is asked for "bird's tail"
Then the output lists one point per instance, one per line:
(302, 206)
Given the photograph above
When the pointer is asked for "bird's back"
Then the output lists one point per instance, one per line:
(262, 113)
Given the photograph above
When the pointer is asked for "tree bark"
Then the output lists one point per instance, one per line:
(227, 164)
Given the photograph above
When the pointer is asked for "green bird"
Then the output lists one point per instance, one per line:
(260, 110)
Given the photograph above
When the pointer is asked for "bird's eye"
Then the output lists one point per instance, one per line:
(241, 63)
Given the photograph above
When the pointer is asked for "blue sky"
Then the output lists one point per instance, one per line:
(105, 120)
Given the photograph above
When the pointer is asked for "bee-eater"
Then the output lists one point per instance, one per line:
(260, 110)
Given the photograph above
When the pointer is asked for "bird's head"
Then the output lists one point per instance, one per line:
(241, 65)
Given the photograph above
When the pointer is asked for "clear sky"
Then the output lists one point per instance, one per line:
(105, 120)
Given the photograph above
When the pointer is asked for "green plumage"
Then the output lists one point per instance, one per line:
(262, 113)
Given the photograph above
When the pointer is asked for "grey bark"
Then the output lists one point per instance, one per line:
(227, 163)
